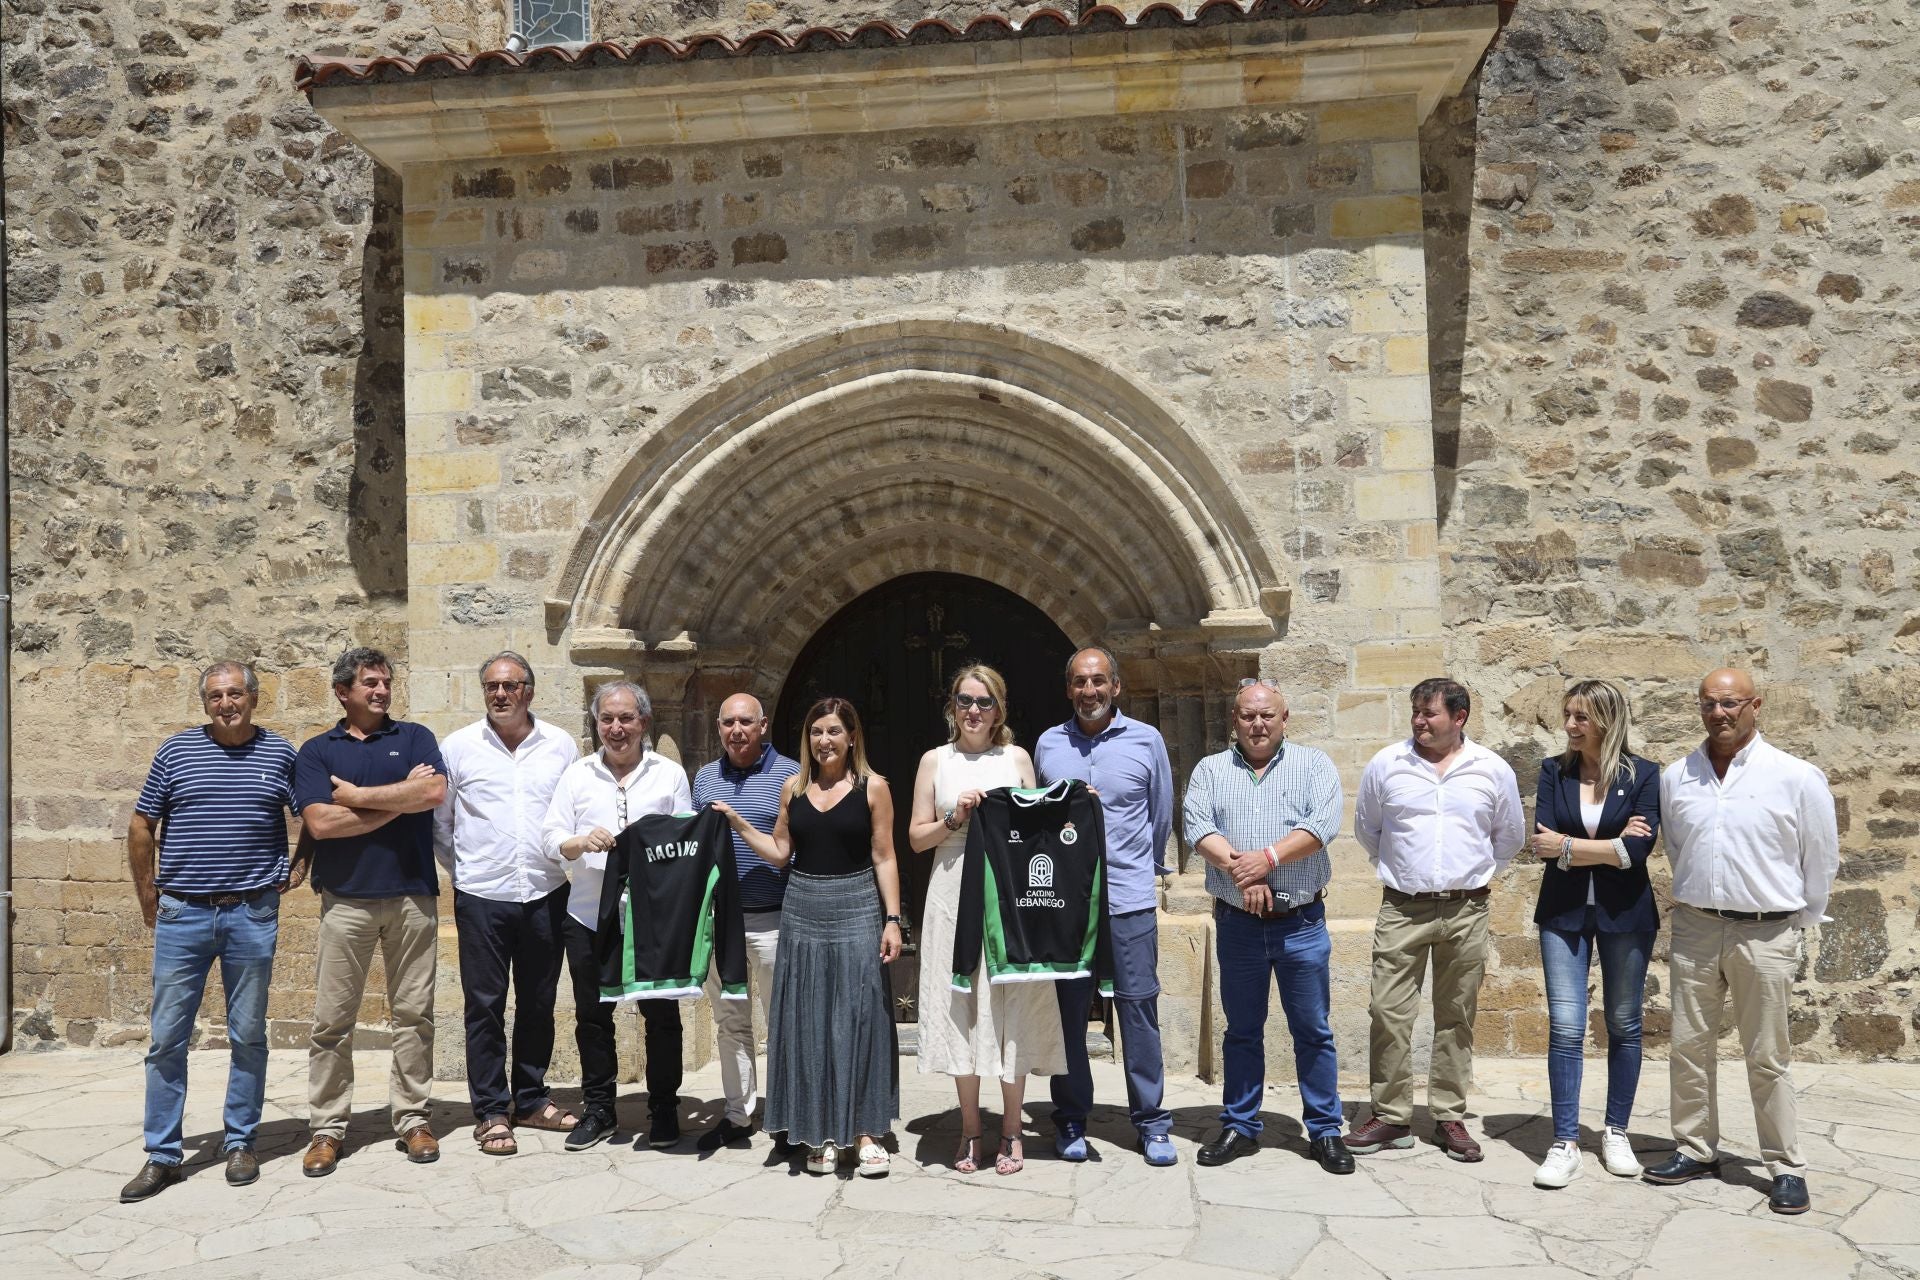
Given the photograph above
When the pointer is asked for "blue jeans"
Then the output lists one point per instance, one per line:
(187, 939)
(1565, 957)
(1253, 953)
(1136, 1005)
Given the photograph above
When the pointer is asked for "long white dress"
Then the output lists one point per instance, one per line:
(1005, 1032)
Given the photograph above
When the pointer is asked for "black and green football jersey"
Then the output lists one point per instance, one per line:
(670, 910)
(1033, 889)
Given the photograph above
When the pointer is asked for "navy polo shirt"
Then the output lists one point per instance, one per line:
(396, 859)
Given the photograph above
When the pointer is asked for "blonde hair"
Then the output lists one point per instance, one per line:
(996, 689)
(1609, 713)
(857, 767)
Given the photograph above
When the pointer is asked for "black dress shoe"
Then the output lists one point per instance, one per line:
(1789, 1194)
(1332, 1154)
(242, 1167)
(594, 1128)
(150, 1181)
(663, 1130)
(1680, 1168)
(724, 1134)
(1228, 1147)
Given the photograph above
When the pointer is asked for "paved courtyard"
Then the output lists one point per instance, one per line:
(69, 1137)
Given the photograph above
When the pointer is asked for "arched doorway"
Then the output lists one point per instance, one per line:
(893, 651)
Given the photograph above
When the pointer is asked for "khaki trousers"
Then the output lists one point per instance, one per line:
(1406, 935)
(1754, 963)
(406, 931)
(733, 1020)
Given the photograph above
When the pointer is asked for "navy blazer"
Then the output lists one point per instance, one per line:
(1623, 896)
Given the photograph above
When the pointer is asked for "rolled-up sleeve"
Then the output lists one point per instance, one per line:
(1325, 800)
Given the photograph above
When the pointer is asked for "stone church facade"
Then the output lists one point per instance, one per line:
(1344, 347)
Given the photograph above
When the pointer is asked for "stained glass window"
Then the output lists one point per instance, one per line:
(552, 21)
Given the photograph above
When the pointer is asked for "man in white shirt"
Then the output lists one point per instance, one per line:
(1752, 836)
(598, 797)
(509, 898)
(1439, 816)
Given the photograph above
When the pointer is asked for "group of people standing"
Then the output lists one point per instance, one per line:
(523, 823)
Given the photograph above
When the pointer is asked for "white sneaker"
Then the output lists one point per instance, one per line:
(1616, 1153)
(1561, 1166)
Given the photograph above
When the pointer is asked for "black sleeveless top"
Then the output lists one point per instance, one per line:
(838, 842)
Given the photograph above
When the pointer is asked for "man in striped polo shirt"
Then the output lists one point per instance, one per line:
(1262, 813)
(216, 798)
(749, 777)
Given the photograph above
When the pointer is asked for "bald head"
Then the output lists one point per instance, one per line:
(1259, 722)
(743, 728)
(1259, 694)
(1729, 710)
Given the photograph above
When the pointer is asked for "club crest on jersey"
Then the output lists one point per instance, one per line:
(1040, 872)
(1068, 835)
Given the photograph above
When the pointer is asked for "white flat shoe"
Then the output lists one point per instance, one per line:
(1561, 1166)
(1616, 1154)
(823, 1158)
(874, 1161)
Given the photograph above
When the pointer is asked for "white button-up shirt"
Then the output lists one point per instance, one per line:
(589, 796)
(1764, 838)
(1425, 832)
(486, 833)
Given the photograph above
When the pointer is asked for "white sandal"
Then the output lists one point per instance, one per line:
(823, 1158)
(874, 1161)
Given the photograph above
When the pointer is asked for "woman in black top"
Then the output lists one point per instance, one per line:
(1597, 810)
(832, 1057)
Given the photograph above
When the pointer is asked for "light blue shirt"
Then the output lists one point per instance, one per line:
(1127, 764)
(1300, 791)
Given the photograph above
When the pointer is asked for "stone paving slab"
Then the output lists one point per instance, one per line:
(69, 1137)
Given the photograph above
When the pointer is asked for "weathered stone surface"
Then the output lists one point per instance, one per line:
(1784, 401)
(1854, 944)
(1770, 310)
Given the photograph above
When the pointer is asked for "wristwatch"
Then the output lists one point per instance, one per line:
(887, 920)
(948, 821)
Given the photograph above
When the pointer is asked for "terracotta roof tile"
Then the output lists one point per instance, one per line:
(312, 73)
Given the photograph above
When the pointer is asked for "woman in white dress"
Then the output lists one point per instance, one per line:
(1008, 1032)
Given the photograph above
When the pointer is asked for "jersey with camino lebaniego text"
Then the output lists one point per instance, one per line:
(1033, 889)
(670, 910)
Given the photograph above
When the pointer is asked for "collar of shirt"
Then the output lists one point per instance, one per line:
(658, 785)
(1263, 772)
(1762, 838)
(1756, 746)
(1117, 725)
(387, 726)
(728, 771)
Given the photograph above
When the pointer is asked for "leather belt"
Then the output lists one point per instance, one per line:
(1436, 895)
(1274, 914)
(219, 899)
(1747, 917)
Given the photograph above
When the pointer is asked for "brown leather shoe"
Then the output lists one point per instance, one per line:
(1456, 1141)
(1377, 1135)
(421, 1147)
(323, 1153)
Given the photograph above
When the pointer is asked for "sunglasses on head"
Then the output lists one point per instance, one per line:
(967, 702)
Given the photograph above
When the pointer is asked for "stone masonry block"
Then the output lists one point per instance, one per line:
(1389, 586)
(446, 472)
(450, 391)
(453, 562)
(446, 313)
(1366, 217)
(1404, 356)
(1398, 665)
(1384, 118)
(1397, 495)
(1381, 400)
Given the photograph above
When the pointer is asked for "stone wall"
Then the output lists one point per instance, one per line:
(1676, 377)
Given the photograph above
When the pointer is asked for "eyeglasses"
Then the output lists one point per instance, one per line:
(968, 702)
(502, 686)
(1262, 681)
(1724, 704)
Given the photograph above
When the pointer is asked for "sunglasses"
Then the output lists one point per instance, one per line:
(968, 702)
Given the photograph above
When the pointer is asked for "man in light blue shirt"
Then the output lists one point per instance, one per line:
(1262, 813)
(1126, 763)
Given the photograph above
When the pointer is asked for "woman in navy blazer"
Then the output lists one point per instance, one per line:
(1596, 815)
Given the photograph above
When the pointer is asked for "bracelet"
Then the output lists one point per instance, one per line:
(1566, 853)
(1273, 859)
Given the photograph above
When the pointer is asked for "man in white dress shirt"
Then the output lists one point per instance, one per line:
(509, 898)
(1754, 844)
(599, 796)
(1439, 816)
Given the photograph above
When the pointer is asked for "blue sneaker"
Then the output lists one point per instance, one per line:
(1158, 1148)
(1070, 1142)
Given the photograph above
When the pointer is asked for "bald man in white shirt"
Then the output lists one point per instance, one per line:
(1752, 836)
(1439, 816)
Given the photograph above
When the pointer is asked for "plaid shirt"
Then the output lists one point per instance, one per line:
(1300, 791)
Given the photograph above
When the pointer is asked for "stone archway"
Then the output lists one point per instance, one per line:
(734, 532)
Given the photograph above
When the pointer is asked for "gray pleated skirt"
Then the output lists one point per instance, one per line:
(833, 1059)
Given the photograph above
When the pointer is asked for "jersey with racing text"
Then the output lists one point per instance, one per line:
(1033, 889)
(670, 910)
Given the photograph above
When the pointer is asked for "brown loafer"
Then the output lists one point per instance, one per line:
(323, 1153)
(421, 1147)
(1456, 1141)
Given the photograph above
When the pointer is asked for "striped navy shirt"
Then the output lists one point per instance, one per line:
(754, 794)
(222, 811)
(1300, 791)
